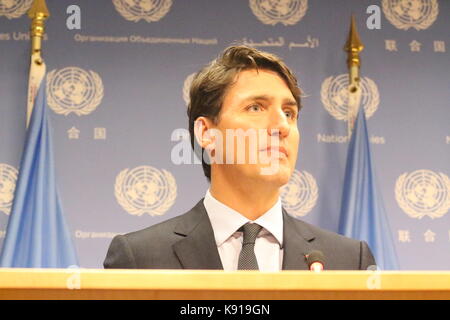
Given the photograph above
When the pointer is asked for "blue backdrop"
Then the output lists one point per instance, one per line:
(117, 88)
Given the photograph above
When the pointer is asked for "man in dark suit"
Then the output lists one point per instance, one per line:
(243, 115)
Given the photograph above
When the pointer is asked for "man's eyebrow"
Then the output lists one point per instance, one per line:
(287, 101)
(257, 97)
(291, 102)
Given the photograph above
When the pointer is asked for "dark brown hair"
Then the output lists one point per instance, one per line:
(210, 84)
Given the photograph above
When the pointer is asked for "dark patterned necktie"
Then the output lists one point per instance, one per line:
(247, 258)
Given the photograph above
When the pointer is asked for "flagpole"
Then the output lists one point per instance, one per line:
(38, 13)
(363, 215)
(37, 235)
(353, 47)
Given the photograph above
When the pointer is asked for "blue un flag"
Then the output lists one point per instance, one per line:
(363, 215)
(37, 235)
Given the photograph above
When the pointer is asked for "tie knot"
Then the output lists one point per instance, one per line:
(251, 231)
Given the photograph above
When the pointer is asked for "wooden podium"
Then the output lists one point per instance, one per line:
(210, 285)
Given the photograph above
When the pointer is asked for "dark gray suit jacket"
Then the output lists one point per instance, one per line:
(187, 242)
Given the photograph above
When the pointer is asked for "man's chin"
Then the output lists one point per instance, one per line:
(275, 174)
(278, 176)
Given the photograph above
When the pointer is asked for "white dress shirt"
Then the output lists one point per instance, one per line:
(225, 223)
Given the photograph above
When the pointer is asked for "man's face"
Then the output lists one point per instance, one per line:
(262, 102)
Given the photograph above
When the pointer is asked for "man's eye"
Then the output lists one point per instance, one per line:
(290, 114)
(254, 108)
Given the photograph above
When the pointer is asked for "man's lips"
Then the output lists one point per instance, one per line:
(276, 149)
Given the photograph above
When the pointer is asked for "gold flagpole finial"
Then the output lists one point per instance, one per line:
(37, 13)
(353, 47)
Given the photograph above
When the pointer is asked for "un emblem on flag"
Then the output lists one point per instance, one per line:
(405, 14)
(145, 189)
(423, 193)
(14, 8)
(299, 196)
(335, 96)
(8, 179)
(148, 10)
(287, 12)
(74, 90)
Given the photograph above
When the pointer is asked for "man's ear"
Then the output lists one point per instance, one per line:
(202, 131)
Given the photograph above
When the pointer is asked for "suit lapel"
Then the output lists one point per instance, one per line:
(197, 250)
(296, 243)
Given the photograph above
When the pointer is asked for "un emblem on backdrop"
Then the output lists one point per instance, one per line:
(423, 193)
(334, 95)
(405, 14)
(145, 189)
(74, 90)
(8, 179)
(14, 8)
(300, 194)
(287, 12)
(148, 10)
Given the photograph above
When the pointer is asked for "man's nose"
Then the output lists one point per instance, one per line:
(278, 124)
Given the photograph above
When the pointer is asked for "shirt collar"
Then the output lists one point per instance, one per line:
(225, 221)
